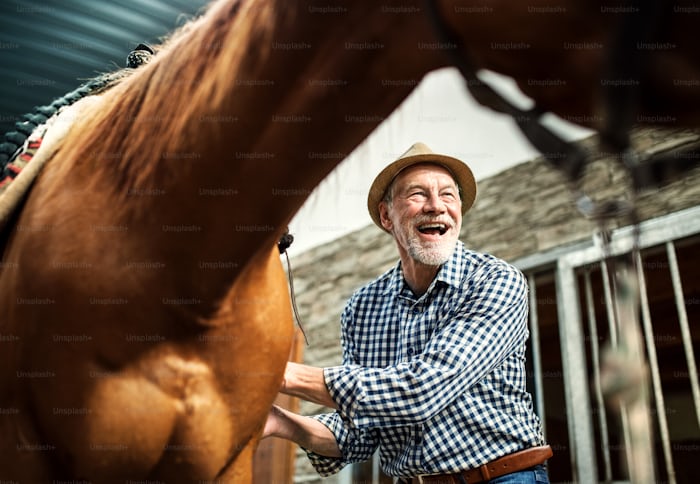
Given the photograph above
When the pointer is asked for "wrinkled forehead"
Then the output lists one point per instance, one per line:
(423, 171)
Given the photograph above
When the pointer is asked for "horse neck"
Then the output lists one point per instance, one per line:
(219, 133)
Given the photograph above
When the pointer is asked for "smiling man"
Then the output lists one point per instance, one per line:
(433, 371)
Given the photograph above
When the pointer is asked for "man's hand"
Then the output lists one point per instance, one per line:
(305, 431)
(274, 425)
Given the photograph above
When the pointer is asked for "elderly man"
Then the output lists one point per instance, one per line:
(433, 350)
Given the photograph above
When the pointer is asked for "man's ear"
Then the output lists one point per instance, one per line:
(384, 216)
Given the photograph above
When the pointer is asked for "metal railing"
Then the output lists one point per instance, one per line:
(574, 269)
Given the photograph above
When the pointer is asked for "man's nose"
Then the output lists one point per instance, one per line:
(434, 204)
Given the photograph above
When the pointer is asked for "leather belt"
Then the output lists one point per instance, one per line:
(507, 464)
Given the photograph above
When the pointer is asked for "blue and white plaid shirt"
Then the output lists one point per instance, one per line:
(436, 382)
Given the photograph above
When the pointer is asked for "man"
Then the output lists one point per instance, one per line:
(433, 350)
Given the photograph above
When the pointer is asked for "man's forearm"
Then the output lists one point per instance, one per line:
(305, 431)
(307, 383)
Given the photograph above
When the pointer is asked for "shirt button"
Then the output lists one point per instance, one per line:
(410, 351)
(416, 310)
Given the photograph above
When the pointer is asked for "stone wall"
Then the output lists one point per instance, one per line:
(521, 211)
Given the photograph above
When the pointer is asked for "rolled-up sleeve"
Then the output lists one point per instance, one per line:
(355, 445)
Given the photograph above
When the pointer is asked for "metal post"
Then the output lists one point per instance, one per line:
(685, 329)
(536, 354)
(595, 356)
(655, 376)
(583, 461)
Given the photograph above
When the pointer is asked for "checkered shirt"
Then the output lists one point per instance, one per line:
(437, 383)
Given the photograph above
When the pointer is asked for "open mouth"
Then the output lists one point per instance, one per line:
(433, 229)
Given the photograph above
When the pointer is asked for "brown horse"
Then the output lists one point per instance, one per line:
(143, 308)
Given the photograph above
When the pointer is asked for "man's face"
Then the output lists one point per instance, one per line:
(424, 213)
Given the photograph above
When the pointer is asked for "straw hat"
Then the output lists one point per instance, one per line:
(420, 153)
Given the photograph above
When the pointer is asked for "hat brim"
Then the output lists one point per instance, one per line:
(460, 172)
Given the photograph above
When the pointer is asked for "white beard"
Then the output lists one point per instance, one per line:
(431, 253)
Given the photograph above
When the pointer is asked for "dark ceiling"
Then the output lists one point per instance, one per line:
(50, 47)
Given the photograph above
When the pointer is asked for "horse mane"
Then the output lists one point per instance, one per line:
(161, 107)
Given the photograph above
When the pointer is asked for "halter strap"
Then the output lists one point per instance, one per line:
(621, 103)
(568, 157)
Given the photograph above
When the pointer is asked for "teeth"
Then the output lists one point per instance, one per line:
(442, 228)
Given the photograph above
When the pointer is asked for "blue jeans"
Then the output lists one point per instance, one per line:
(533, 475)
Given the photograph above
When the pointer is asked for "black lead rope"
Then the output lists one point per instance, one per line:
(283, 244)
(568, 157)
(625, 60)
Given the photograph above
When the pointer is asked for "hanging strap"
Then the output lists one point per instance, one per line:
(626, 61)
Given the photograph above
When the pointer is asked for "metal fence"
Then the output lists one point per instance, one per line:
(575, 320)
